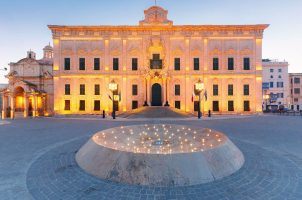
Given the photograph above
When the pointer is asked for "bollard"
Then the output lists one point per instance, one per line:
(209, 113)
(104, 114)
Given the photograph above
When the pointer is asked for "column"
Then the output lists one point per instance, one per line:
(34, 105)
(164, 90)
(149, 91)
(167, 91)
(124, 95)
(25, 106)
(4, 106)
(12, 105)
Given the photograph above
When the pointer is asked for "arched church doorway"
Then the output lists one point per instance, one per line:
(156, 95)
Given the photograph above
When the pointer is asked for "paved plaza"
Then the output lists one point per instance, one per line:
(37, 160)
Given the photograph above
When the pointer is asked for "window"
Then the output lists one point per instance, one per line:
(271, 70)
(215, 90)
(279, 84)
(67, 89)
(82, 89)
(246, 90)
(66, 63)
(196, 106)
(115, 64)
(134, 105)
(176, 64)
(271, 84)
(216, 106)
(246, 106)
(297, 80)
(230, 106)
(230, 90)
(297, 90)
(82, 105)
(96, 64)
(215, 63)
(177, 90)
(156, 62)
(246, 63)
(230, 63)
(82, 63)
(97, 105)
(134, 90)
(272, 76)
(196, 64)
(177, 104)
(67, 105)
(279, 70)
(134, 64)
(280, 95)
(279, 76)
(296, 99)
(97, 89)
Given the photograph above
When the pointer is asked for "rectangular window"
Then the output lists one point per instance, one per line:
(67, 105)
(177, 90)
(134, 90)
(134, 64)
(67, 89)
(246, 64)
(82, 63)
(215, 63)
(297, 90)
(279, 70)
(230, 90)
(246, 106)
(196, 64)
(296, 99)
(196, 106)
(215, 90)
(115, 64)
(279, 84)
(246, 90)
(271, 84)
(97, 105)
(230, 63)
(297, 80)
(82, 105)
(177, 104)
(66, 63)
(216, 106)
(97, 89)
(96, 64)
(271, 70)
(82, 89)
(231, 106)
(134, 105)
(176, 64)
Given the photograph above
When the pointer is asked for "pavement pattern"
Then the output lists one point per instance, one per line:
(37, 161)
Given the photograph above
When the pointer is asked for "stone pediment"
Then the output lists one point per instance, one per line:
(156, 15)
(246, 51)
(215, 51)
(177, 52)
(196, 52)
(133, 52)
(97, 52)
(67, 52)
(82, 52)
(115, 52)
(231, 51)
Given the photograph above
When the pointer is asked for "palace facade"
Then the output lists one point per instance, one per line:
(157, 63)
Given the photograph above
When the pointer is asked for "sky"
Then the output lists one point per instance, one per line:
(23, 24)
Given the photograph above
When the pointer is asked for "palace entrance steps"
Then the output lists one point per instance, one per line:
(155, 112)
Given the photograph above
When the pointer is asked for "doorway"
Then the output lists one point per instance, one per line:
(156, 95)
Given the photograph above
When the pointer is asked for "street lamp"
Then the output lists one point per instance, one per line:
(113, 88)
(199, 87)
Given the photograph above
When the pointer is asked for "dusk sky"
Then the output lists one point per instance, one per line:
(24, 23)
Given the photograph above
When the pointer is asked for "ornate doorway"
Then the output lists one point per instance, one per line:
(156, 95)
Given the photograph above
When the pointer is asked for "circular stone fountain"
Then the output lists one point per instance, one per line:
(160, 155)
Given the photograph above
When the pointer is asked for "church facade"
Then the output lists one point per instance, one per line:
(157, 63)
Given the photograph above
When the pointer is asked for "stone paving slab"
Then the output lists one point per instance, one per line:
(265, 175)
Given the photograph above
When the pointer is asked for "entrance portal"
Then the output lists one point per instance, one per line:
(156, 95)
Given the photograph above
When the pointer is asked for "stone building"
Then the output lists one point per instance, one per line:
(295, 91)
(157, 63)
(275, 84)
(30, 86)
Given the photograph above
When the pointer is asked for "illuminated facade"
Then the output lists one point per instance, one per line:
(30, 87)
(295, 91)
(157, 63)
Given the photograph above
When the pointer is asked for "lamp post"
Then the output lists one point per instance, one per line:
(199, 86)
(113, 88)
